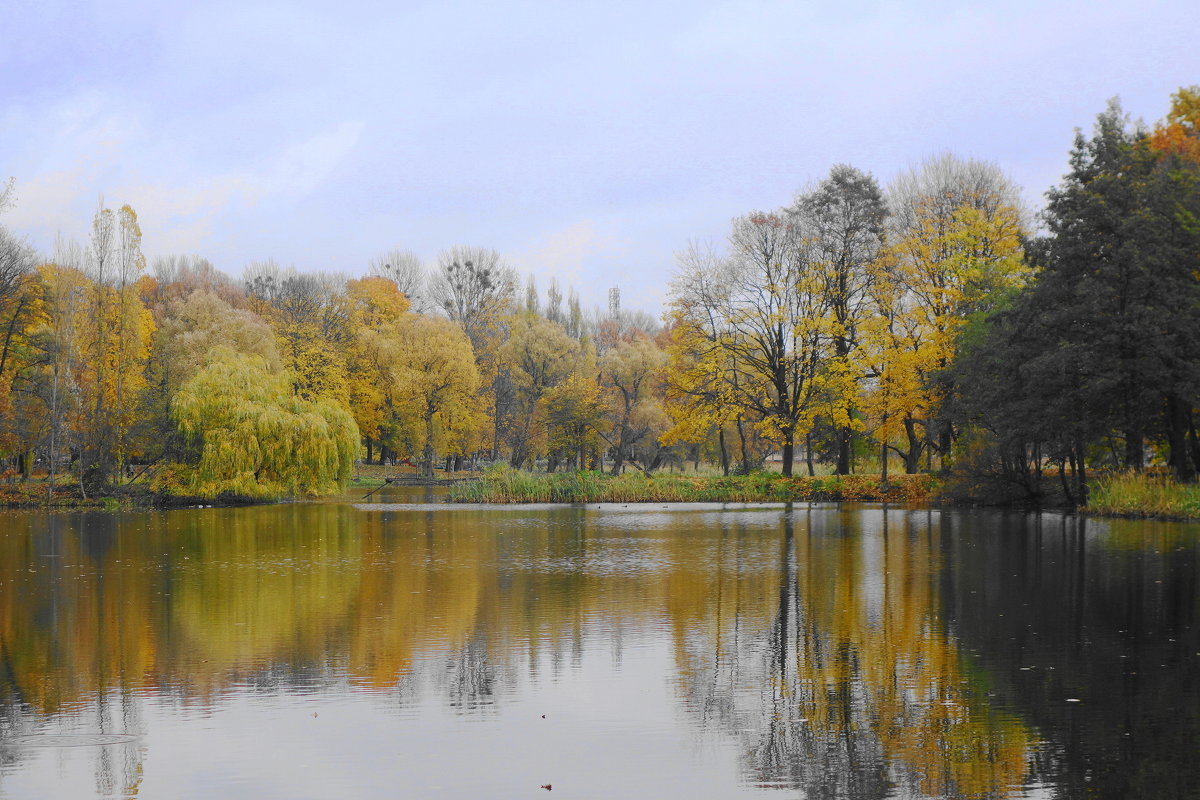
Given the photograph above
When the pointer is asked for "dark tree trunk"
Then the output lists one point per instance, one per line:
(1081, 475)
(1178, 416)
(618, 457)
(1134, 449)
(843, 451)
(789, 451)
(745, 468)
(1066, 487)
(1193, 442)
(808, 454)
(368, 442)
(725, 451)
(912, 459)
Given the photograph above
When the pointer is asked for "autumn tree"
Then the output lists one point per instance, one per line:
(576, 418)
(115, 342)
(631, 373)
(376, 305)
(699, 373)
(251, 435)
(842, 219)
(18, 308)
(954, 251)
(477, 291)
(192, 328)
(434, 370)
(774, 331)
(310, 315)
(538, 356)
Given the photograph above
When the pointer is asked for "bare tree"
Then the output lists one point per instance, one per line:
(943, 184)
(474, 288)
(404, 268)
(179, 276)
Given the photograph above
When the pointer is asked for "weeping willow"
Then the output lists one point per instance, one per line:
(255, 438)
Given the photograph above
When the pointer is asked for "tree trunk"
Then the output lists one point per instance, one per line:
(912, 459)
(1178, 414)
(745, 470)
(368, 442)
(427, 462)
(1193, 442)
(618, 458)
(945, 443)
(725, 451)
(883, 476)
(843, 451)
(808, 460)
(1134, 449)
(789, 451)
(1081, 476)
(1066, 487)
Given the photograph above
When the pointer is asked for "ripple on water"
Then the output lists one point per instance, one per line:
(69, 739)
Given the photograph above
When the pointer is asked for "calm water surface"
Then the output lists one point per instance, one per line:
(400, 648)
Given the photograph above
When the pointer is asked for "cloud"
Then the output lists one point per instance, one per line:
(98, 147)
(562, 254)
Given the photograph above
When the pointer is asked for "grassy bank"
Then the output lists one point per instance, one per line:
(1143, 495)
(515, 486)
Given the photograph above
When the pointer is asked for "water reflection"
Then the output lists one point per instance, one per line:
(827, 652)
(1090, 628)
(857, 689)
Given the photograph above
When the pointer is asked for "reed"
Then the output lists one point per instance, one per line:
(1134, 494)
(504, 485)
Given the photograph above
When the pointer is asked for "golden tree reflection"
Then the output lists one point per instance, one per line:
(816, 641)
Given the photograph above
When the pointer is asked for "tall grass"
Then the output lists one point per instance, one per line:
(504, 485)
(1133, 494)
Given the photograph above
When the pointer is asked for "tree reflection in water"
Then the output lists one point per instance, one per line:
(845, 652)
(857, 690)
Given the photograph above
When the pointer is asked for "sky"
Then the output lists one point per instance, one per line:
(586, 141)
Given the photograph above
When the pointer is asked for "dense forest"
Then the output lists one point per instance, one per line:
(930, 325)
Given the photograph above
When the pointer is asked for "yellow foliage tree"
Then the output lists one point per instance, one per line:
(252, 436)
(539, 355)
(436, 381)
(376, 304)
(954, 252)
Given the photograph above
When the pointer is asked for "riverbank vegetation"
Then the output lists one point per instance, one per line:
(930, 325)
(1143, 495)
(506, 485)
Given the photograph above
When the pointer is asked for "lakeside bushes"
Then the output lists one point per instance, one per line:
(505, 485)
(1133, 494)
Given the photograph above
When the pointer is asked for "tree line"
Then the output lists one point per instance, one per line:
(931, 323)
(276, 382)
(940, 322)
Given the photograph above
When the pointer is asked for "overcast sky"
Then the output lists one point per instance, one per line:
(585, 140)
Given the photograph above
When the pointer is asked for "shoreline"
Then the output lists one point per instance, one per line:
(514, 487)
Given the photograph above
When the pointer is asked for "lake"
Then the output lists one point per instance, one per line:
(400, 647)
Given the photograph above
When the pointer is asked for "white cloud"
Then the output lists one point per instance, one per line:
(561, 254)
(94, 146)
